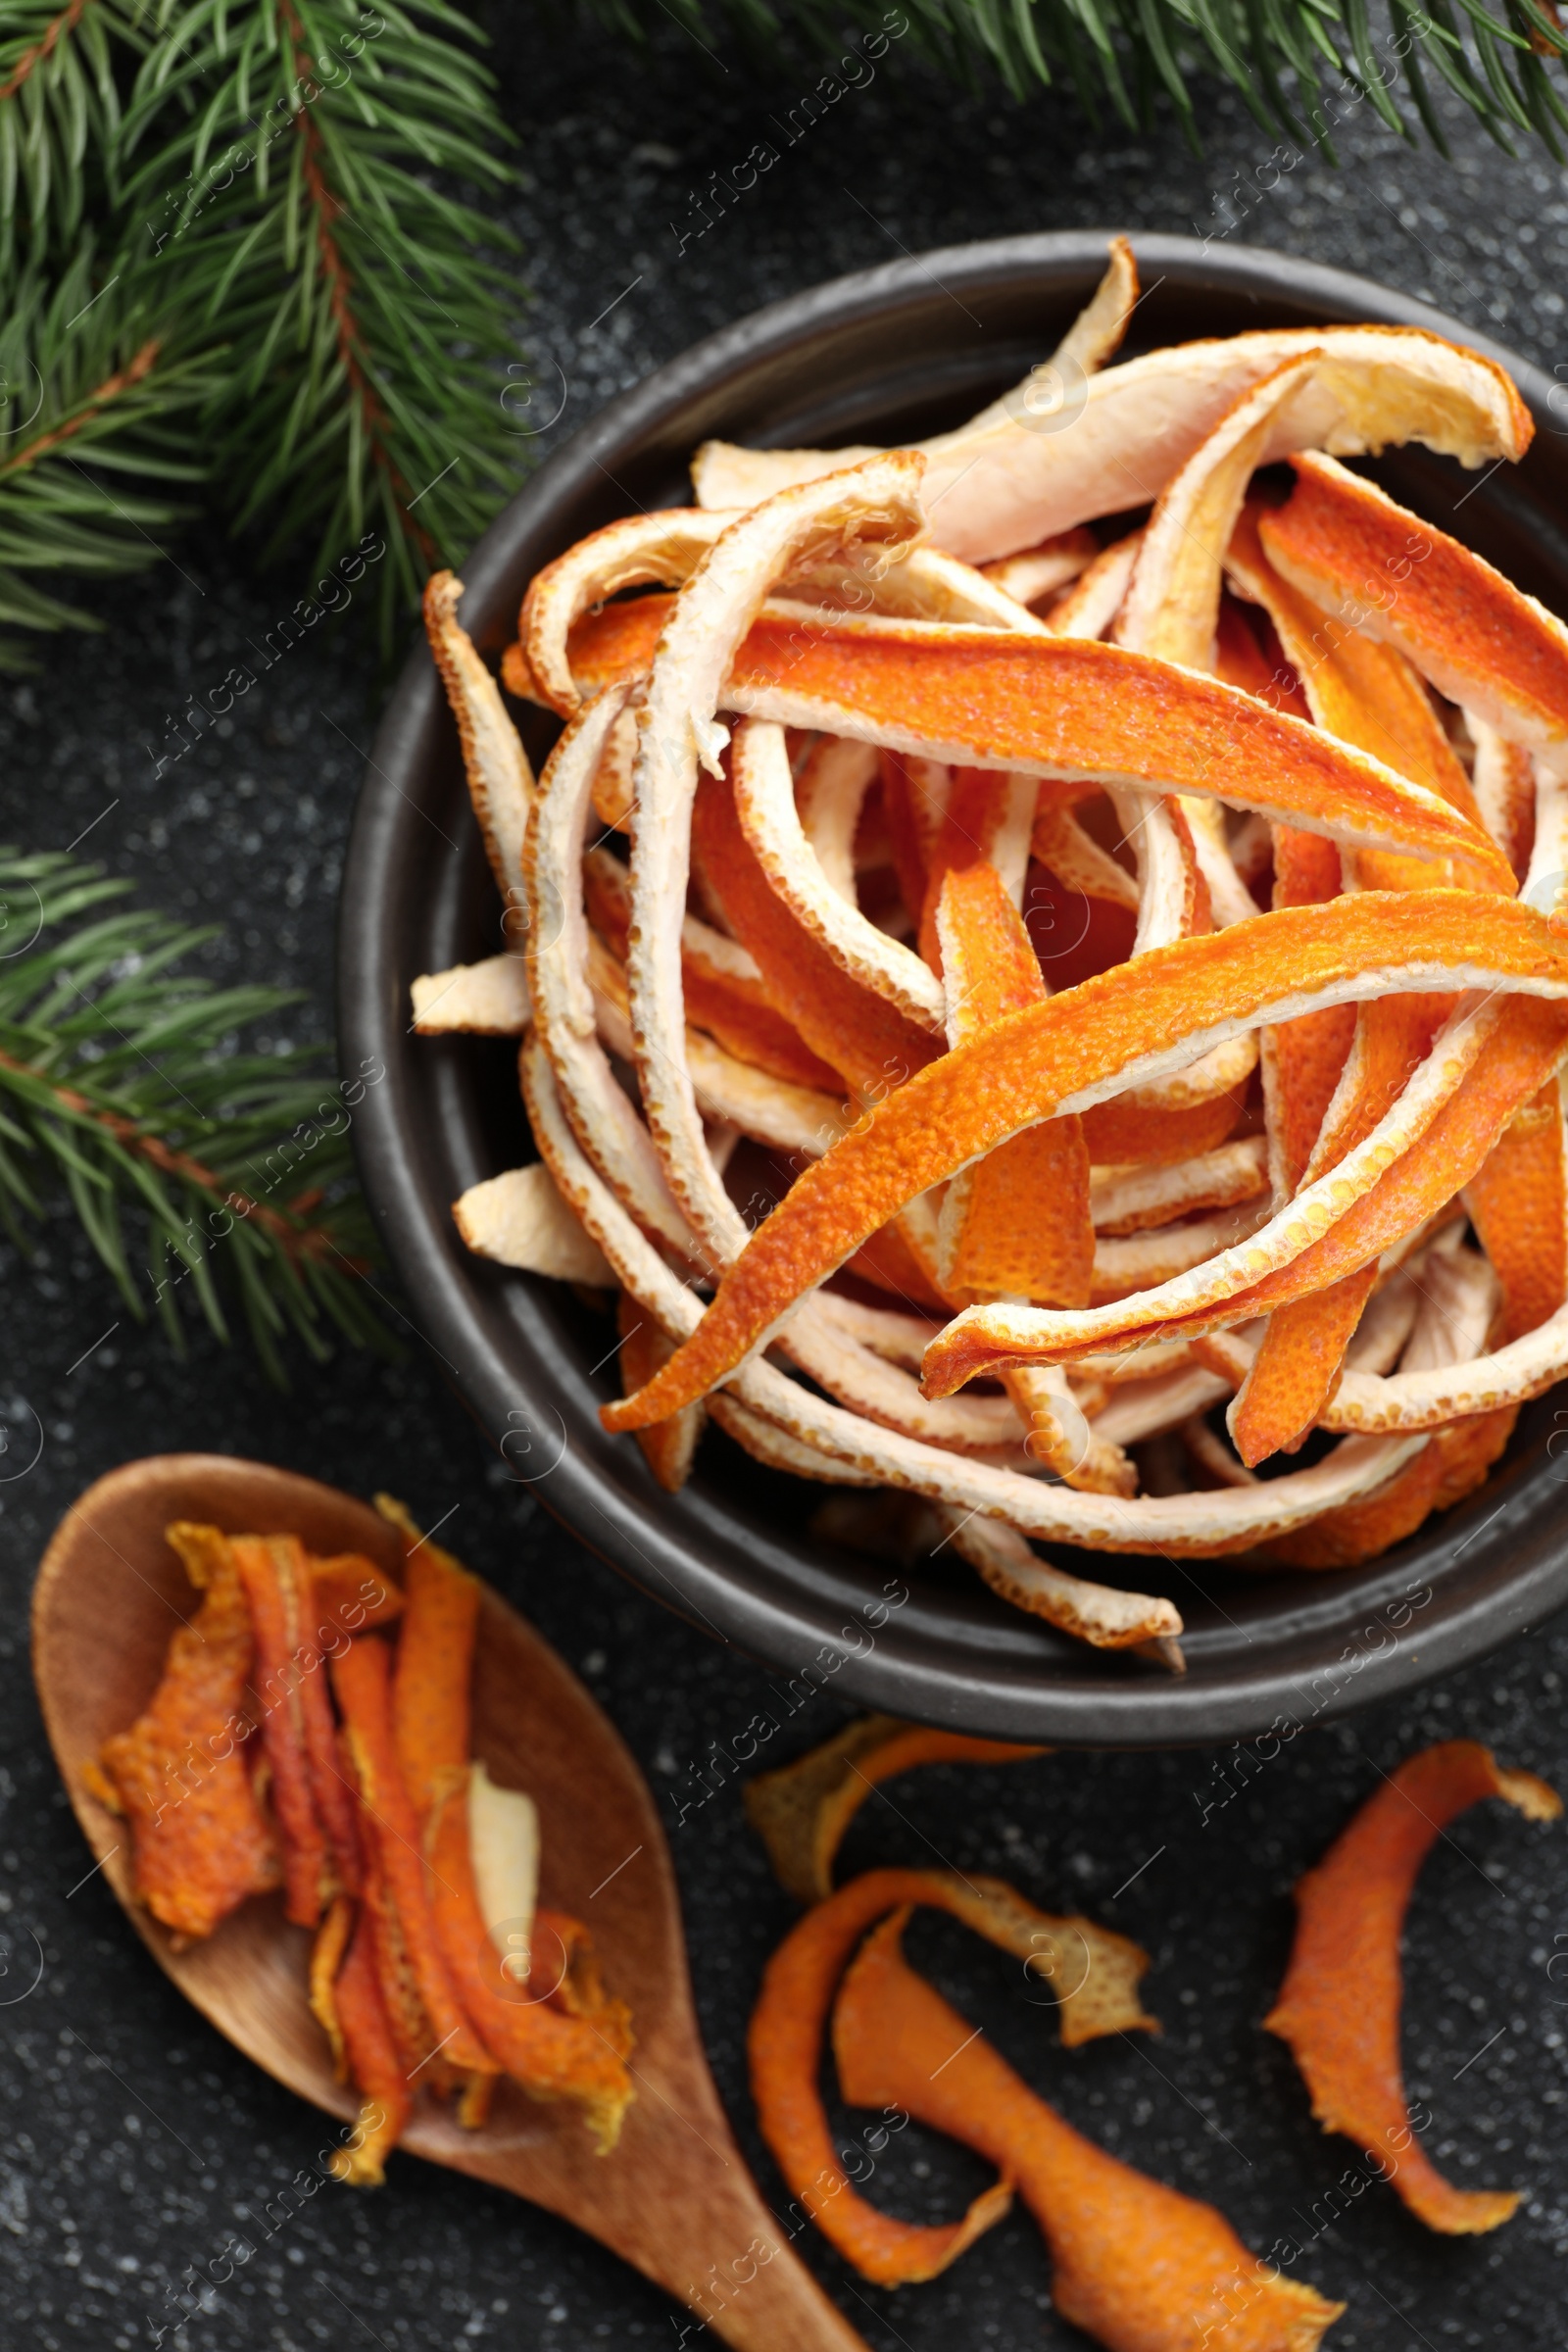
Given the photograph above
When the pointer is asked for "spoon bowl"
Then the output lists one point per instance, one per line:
(674, 2198)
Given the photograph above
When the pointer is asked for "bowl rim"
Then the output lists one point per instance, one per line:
(1526, 1576)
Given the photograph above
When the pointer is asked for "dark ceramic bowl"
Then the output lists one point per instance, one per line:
(887, 354)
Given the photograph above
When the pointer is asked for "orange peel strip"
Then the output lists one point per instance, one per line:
(362, 1679)
(1138, 2266)
(1059, 1437)
(670, 1447)
(785, 2040)
(1117, 1028)
(1298, 1360)
(1092, 604)
(296, 1718)
(995, 486)
(373, 2064)
(431, 1713)
(1039, 571)
(1504, 785)
(802, 1810)
(1173, 598)
(669, 545)
(1431, 1141)
(873, 512)
(553, 2055)
(354, 1593)
(1364, 691)
(1351, 549)
(1203, 1525)
(724, 988)
(1518, 1203)
(830, 797)
(1131, 1200)
(500, 780)
(988, 819)
(607, 1125)
(1099, 1614)
(180, 1774)
(1018, 1224)
(765, 806)
(1077, 861)
(1338, 2007)
(664, 547)
(1066, 708)
(520, 1219)
(870, 1041)
(327, 1948)
(1128, 1129)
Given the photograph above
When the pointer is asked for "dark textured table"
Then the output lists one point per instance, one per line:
(135, 2144)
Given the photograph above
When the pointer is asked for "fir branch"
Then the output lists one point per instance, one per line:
(94, 434)
(1276, 53)
(294, 162)
(60, 117)
(122, 1084)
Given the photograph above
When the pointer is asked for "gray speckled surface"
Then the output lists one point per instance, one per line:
(134, 2143)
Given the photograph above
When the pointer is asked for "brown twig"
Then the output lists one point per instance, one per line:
(308, 1241)
(110, 390)
(65, 22)
(328, 207)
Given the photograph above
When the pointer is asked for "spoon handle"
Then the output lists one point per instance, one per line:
(729, 2262)
(677, 2201)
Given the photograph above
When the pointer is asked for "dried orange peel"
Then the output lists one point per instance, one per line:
(1094, 1971)
(951, 908)
(1119, 1028)
(996, 485)
(385, 1838)
(1338, 2007)
(801, 1811)
(180, 1775)
(1136, 2265)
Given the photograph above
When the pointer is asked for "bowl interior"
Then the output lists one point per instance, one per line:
(887, 356)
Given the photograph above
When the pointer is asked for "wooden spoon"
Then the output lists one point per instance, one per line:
(675, 2198)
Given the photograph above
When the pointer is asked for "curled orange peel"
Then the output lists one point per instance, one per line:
(1136, 2265)
(1120, 1027)
(1065, 707)
(1016, 1224)
(1339, 2006)
(996, 486)
(1348, 548)
(802, 1810)
(669, 1448)
(372, 2061)
(1094, 1971)
(1517, 1045)
(1518, 1203)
